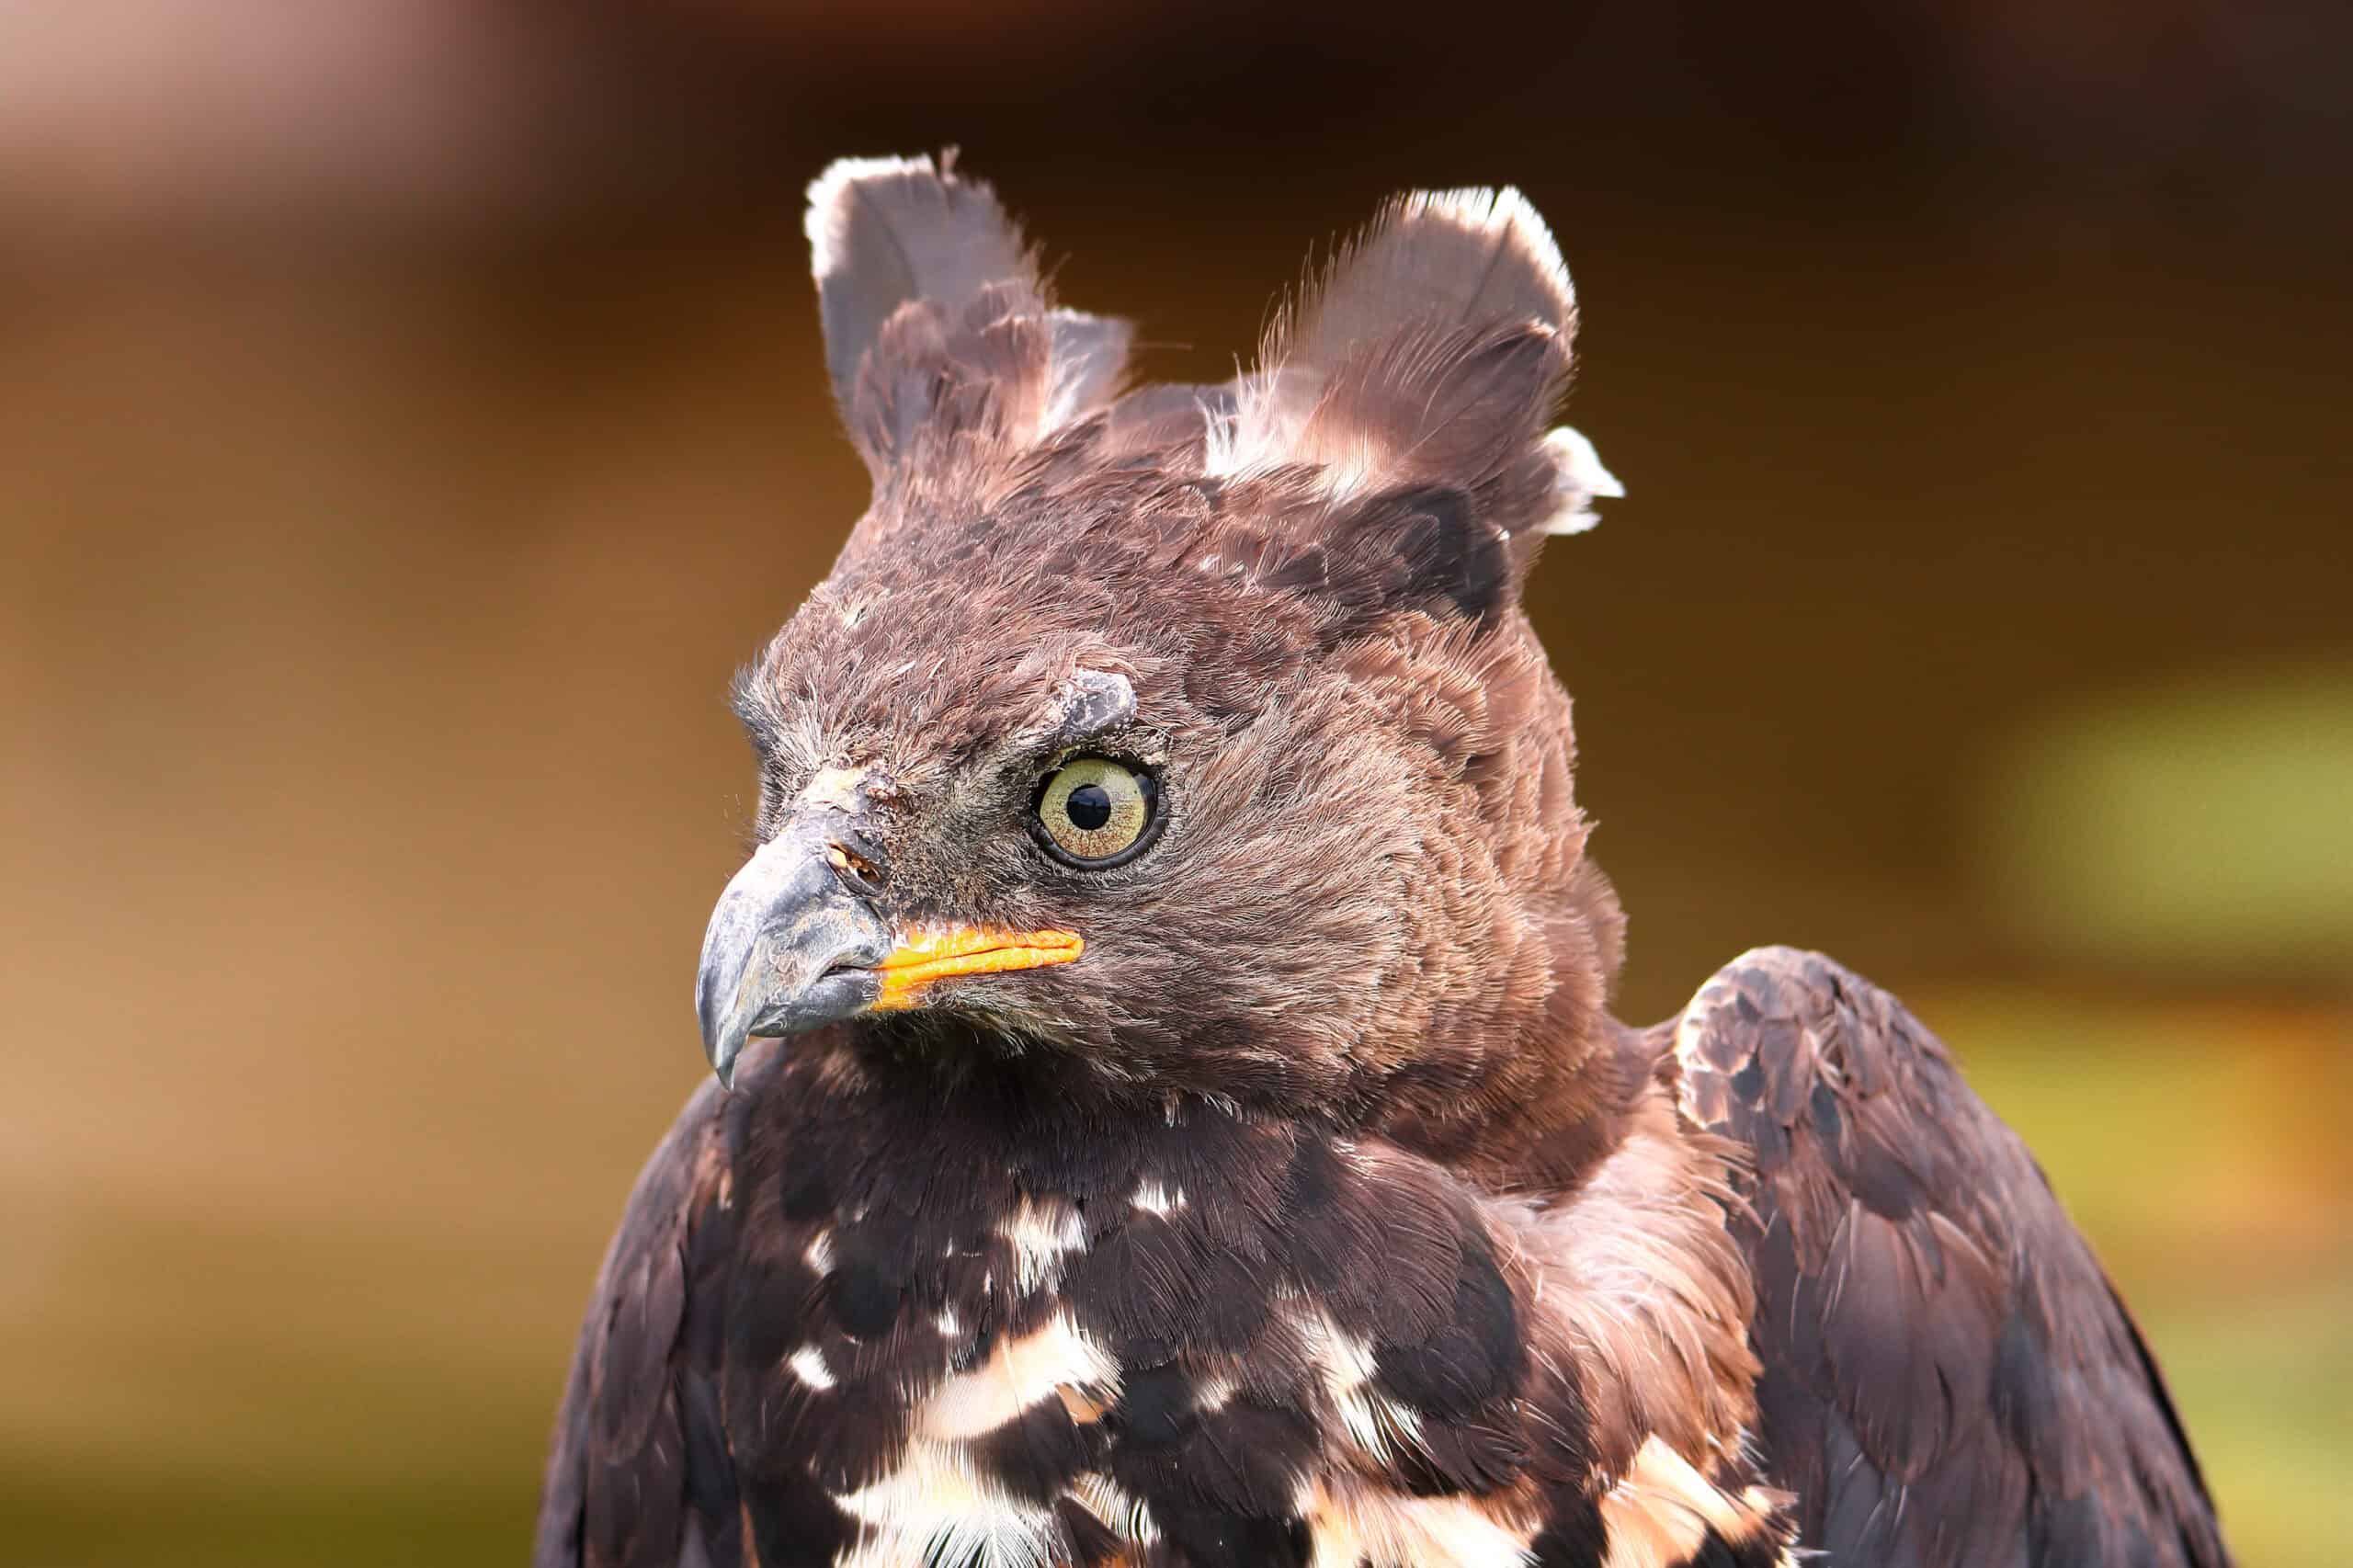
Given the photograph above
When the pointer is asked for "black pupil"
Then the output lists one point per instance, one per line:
(1089, 807)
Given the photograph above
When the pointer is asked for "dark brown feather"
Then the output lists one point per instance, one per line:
(639, 1473)
(1948, 1378)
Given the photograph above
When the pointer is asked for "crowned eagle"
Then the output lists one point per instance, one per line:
(1167, 1109)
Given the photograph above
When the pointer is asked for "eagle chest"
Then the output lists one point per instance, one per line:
(1189, 1333)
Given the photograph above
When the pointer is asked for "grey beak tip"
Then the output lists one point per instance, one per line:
(711, 1012)
(787, 951)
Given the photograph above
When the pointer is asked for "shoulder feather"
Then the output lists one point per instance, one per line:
(1948, 1378)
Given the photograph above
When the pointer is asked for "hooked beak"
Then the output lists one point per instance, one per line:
(789, 946)
(795, 943)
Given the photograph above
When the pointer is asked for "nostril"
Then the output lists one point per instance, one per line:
(856, 870)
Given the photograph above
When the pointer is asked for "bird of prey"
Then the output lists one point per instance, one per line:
(1167, 1107)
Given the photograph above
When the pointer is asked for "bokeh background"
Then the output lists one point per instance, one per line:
(411, 413)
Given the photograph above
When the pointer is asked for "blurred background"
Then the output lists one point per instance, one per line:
(411, 413)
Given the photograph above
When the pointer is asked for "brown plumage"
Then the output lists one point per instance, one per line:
(1176, 1116)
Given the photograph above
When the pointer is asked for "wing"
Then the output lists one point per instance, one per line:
(1949, 1379)
(639, 1473)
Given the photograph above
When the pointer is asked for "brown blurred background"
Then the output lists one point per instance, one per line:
(411, 413)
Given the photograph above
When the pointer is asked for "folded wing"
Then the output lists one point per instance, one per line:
(640, 1475)
(1949, 1379)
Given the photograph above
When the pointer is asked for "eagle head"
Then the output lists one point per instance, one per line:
(1181, 739)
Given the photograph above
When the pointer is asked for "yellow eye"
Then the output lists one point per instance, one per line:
(1093, 812)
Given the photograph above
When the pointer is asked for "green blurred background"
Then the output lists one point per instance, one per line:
(411, 413)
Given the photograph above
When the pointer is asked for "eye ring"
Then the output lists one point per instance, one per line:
(1093, 813)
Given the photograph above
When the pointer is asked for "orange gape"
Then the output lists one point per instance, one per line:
(924, 956)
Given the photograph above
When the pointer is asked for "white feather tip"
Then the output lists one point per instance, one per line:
(829, 202)
(1485, 210)
(1578, 479)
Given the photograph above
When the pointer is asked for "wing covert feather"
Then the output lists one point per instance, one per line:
(640, 1474)
(1949, 1379)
